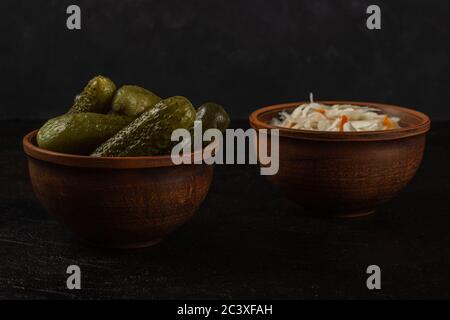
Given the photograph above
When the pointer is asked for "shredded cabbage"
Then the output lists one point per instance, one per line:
(338, 117)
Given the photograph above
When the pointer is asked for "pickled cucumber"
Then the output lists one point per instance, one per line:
(212, 115)
(133, 100)
(150, 133)
(95, 97)
(79, 133)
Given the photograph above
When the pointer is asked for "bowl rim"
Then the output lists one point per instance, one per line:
(422, 127)
(81, 161)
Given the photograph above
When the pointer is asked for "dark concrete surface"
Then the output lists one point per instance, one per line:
(246, 241)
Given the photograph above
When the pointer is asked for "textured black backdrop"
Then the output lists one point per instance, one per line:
(243, 54)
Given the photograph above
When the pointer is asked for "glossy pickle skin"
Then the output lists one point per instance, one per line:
(95, 97)
(130, 121)
(133, 100)
(79, 133)
(150, 134)
(213, 115)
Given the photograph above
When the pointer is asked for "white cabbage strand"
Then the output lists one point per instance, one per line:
(345, 117)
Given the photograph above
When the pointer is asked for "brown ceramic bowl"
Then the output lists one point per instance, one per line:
(346, 174)
(116, 202)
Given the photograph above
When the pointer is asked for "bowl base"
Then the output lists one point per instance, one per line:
(138, 245)
(356, 214)
(345, 214)
(132, 245)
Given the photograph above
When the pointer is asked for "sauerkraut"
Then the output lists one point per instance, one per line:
(338, 117)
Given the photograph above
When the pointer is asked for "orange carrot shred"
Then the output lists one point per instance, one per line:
(387, 122)
(344, 120)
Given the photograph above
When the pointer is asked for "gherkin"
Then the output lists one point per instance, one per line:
(150, 134)
(79, 133)
(212, 115)
(95, 97)
(133, 100)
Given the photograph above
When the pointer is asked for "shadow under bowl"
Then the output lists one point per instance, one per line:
(126, 202)
(345, 174)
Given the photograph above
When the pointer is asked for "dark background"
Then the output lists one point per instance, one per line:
(242, 54)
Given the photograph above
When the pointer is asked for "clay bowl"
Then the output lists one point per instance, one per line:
(116, 202)
(346, 174)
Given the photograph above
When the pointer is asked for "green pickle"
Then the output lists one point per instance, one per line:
(213, 115)
(150, 133)
(95, 97)
(79, 133)
(130, 121)
(133, 100)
